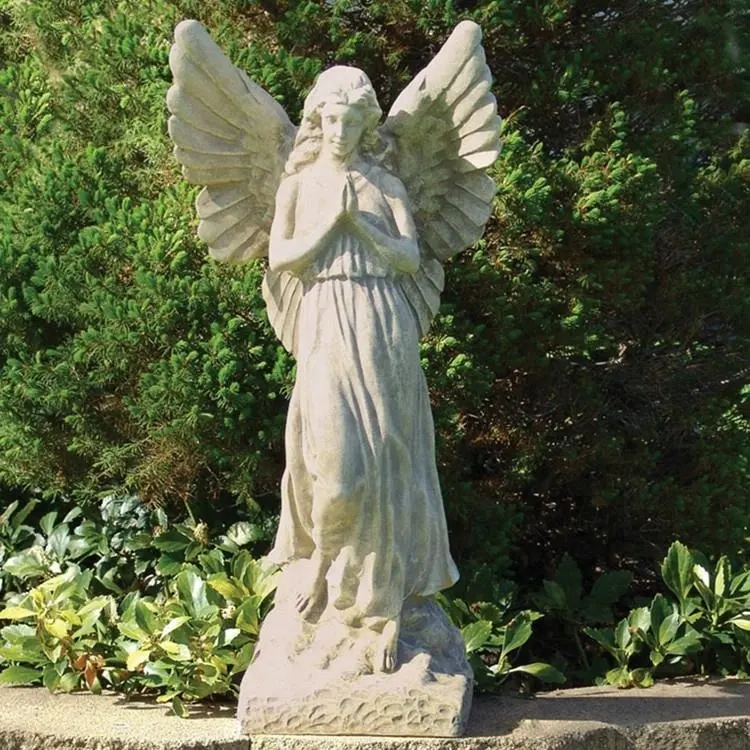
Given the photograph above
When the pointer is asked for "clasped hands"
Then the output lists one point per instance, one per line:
(345, 210)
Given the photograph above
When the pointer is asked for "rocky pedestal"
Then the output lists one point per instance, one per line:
(319, 679)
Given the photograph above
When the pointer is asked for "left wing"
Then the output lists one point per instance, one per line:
(231, 136)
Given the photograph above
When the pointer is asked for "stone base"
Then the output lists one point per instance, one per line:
(318, 679)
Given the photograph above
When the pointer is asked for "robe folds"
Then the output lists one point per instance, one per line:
(361, 481)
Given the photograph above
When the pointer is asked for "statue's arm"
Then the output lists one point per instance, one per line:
(401, 251)
(287, 251)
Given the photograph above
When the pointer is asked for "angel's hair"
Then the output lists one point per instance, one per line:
(341, 85)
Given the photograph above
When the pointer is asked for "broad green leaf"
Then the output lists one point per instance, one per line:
(668, 628)
(605, 637)
(610, 587)
(16, 613)
(740, 585)
(723, 575)
(266, 584)
(475, 635)
(702, 575)
(179, 707)
(542, 671)
(136, 659)
(130, 629)
(741, 622)
(47, 522)
(29, 652)
(172, 540)
(145, 617)
(642, 677)
(174, 624)
(248, 615)
(640, 619)
(568, 577)
(677, 571)
(69, 682)
(24, 513)
(19, 675)
(229, 635)
(51, 677)
(660, 610)
(169, 566)
(212, 562)
(622, 634)
(240, 534)
(57, 627)
(192, 590)
(227, 588)
(619, 677)
(488, 611)
(516, 633)
(8, 512)
(688, 644)
(72, 514)
(556, 594)
(57, 543)
(176, 651)
(27, 564)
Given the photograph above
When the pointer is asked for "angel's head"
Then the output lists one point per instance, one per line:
(340, 116)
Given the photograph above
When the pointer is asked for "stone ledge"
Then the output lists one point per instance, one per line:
(35, 719)
(682, 715)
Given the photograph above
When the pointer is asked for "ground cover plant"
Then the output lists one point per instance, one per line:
(588, 368)
(183, 628)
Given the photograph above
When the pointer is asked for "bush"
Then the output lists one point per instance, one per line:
(174, 612)
(588, 367)
(120, 603)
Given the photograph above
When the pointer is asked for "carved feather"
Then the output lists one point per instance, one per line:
(282, 292)
(446, 130)
(230, 136)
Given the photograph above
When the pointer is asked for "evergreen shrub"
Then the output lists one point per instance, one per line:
(589, 366)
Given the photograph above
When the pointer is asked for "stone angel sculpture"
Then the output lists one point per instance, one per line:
(357, 219)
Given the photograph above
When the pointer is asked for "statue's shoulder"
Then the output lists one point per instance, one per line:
(289, 185)
(388, 181)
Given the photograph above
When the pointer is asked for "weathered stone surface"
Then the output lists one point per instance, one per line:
(363, 218)
(35, 719)
(681, 715)
(685, 715)
(429, 695)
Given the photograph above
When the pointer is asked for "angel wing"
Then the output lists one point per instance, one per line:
(231, 136)
(445, 129)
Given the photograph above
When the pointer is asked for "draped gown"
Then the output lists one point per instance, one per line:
(361, 482)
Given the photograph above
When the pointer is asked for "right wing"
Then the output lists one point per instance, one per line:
(231, 136)
(446, 130)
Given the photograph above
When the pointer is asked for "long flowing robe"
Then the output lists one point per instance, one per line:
(361, 482)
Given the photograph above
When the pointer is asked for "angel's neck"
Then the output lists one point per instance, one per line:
(336, 165)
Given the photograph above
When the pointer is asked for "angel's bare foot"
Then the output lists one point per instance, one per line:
(311, 598)
(387, 648)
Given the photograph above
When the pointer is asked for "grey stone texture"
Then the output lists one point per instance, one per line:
(429, 695)
(357, 220)
(35, 719)
(682, 715)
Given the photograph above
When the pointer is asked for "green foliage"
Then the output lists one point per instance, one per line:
(569, 610)
(703, 627)
(588, 368)
(187, 638)
(494, 635)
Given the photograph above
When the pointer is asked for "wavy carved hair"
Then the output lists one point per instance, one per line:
(341, 85)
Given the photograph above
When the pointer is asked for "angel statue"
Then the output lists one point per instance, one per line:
(357, 220)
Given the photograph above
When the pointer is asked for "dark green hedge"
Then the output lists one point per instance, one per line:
(589, 367)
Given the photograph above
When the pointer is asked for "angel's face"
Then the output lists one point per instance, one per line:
(343, 126)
